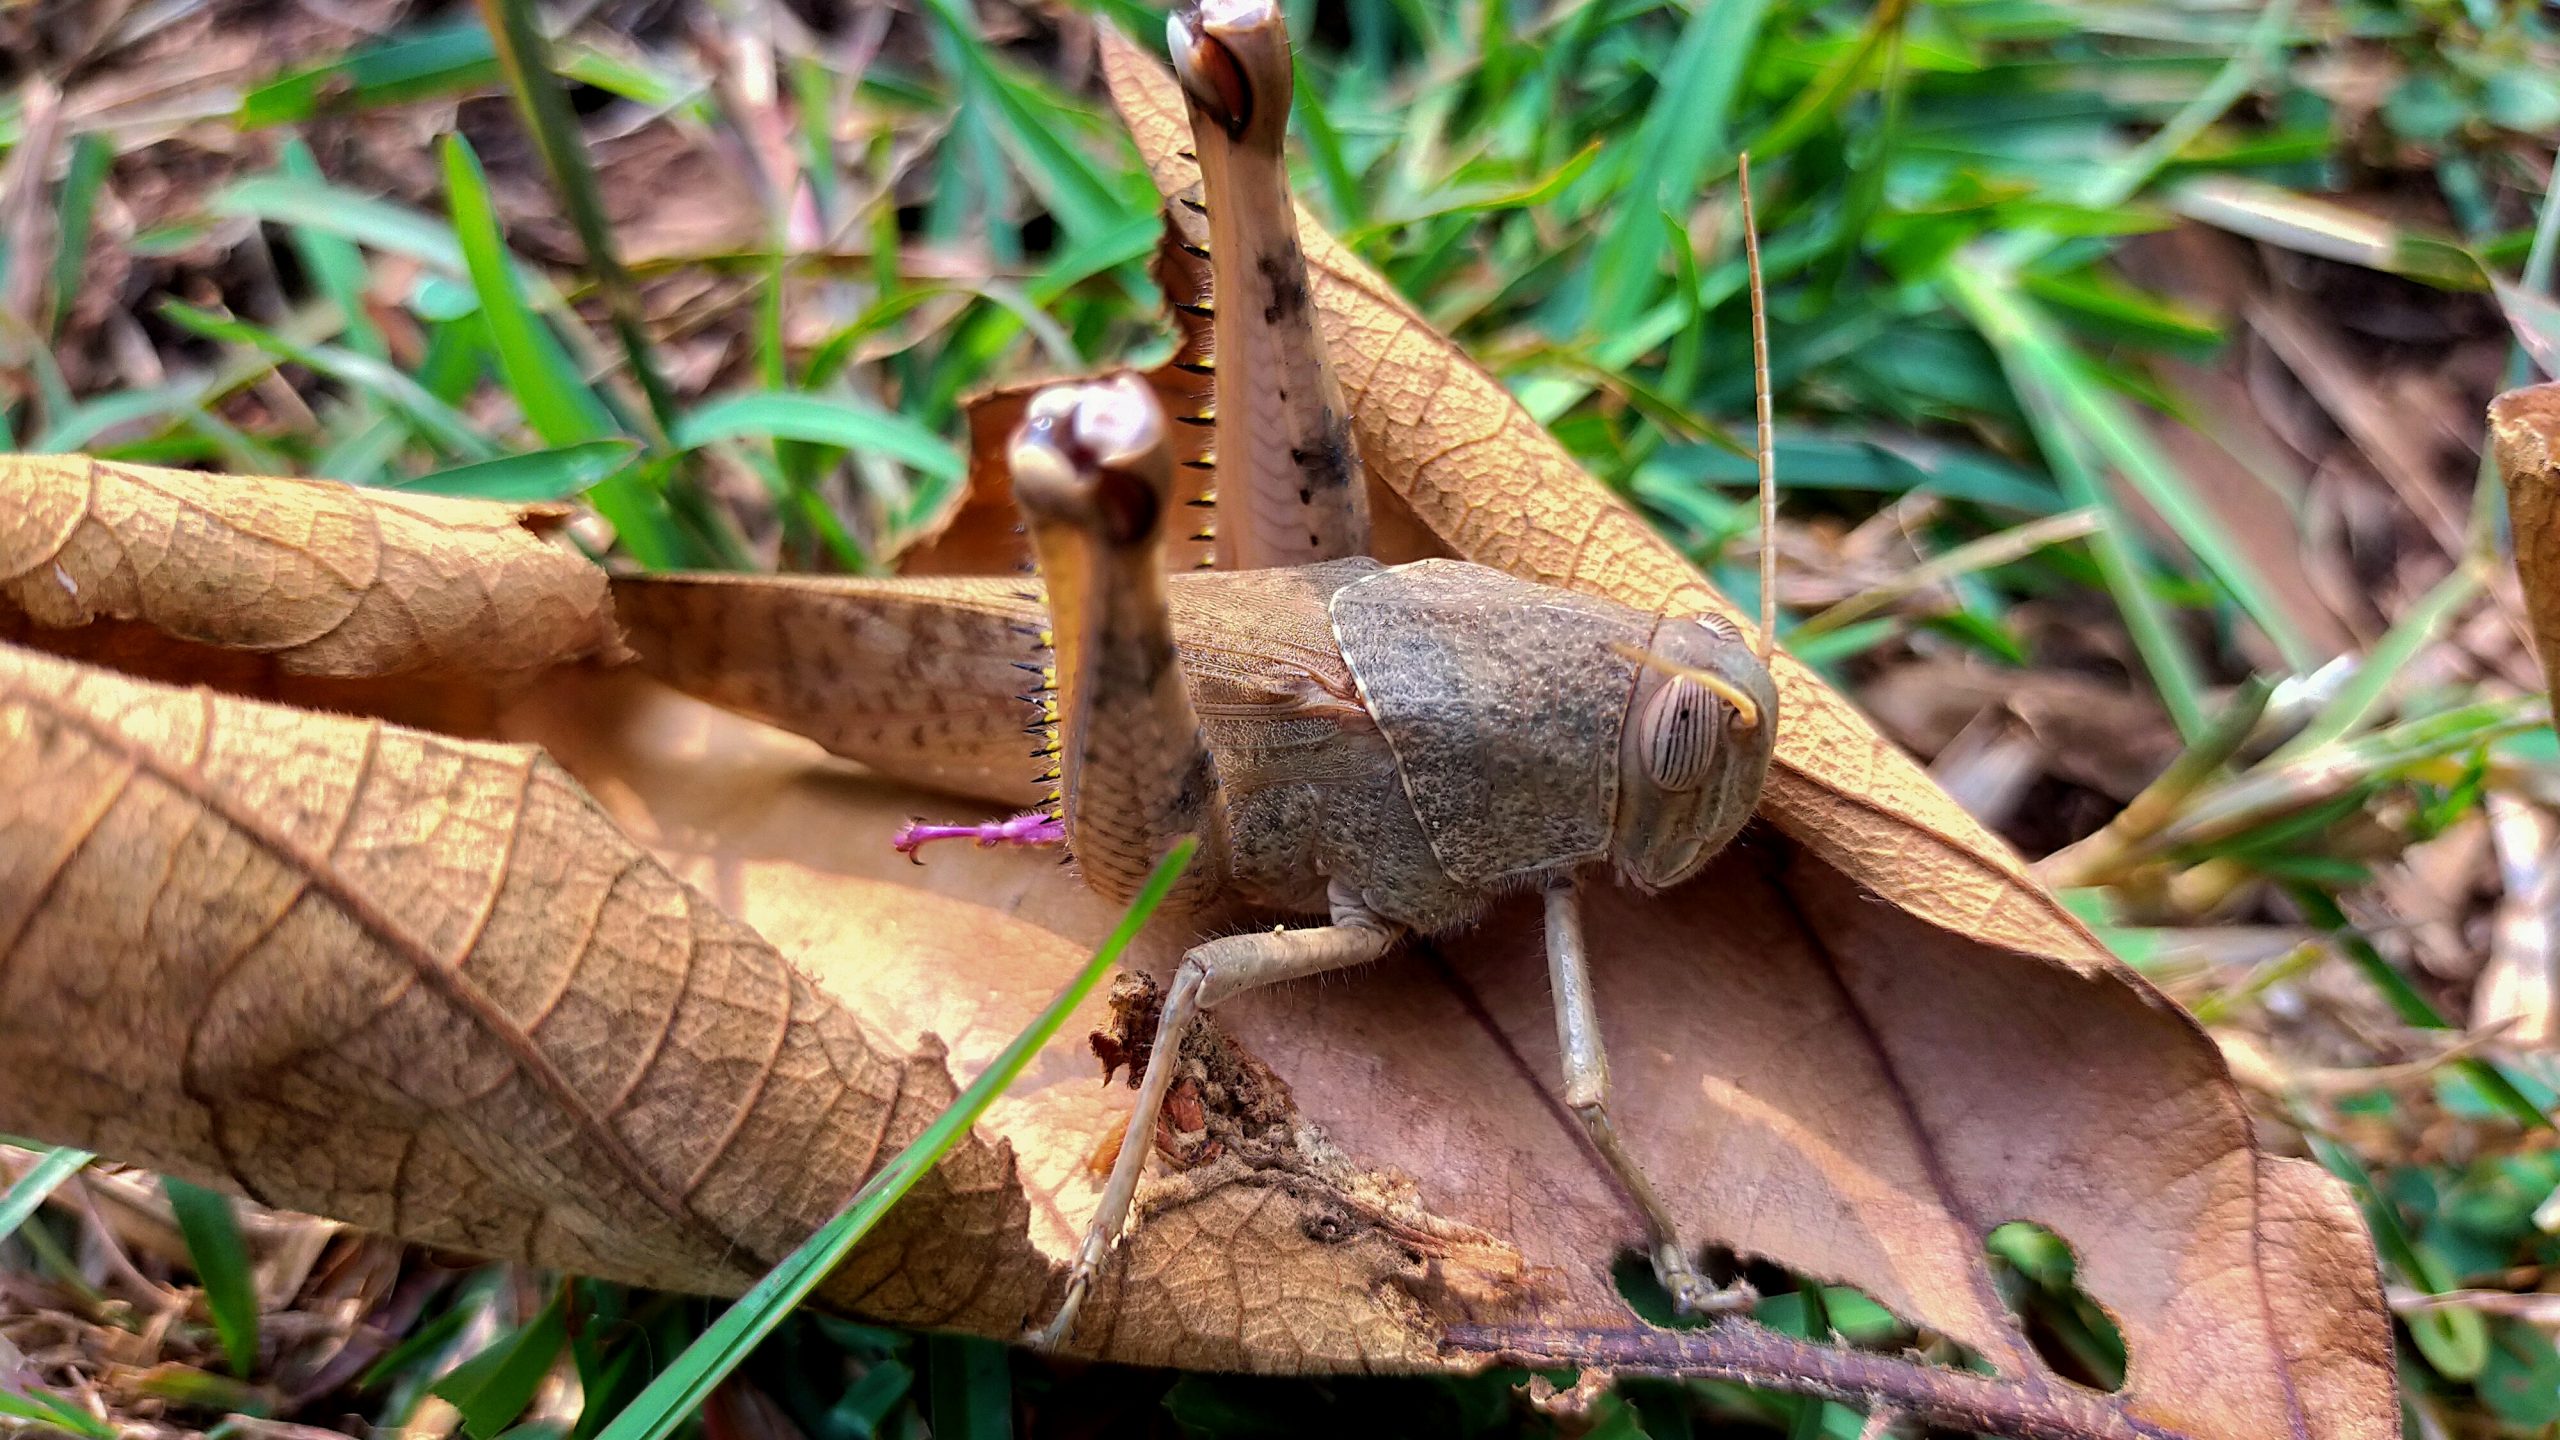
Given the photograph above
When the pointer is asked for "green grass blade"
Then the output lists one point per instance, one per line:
(823, 420)
(1085, 199)
(493, 1387)
(525, 56)
(681, 1389)
(438, 422)
(42, 1179)
(452, 59)
(1683, 129)
(376, 224)
(91, 153)
(972, 1388)
(555, 398)
(2426, 622)
(36, 1407)
(221, 1258)
(2033, 372)
(534, 476)
(335, 263)
(2036, 357)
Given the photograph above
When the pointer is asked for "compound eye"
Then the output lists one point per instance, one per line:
(1678, 733)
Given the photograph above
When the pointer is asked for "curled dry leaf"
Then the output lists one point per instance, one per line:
(156, 569)
(2524, 431)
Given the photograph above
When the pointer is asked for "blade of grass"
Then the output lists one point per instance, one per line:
(394, 229)
(1085, 201)
(42, 1179)
(2035, 357)
(2424, 624)
(2164, 655)
(2119, 182)
(525, 55)
(438, 422)
(39, 1408)
(449, 59)
(972, 1394)
(824, 420)
(221, 1258)
(1683, 127)
(555, 398)
(1817, 101)
(681, 1389)
(537, 475)
(90, 155)
(493, 1387)
(336, 265)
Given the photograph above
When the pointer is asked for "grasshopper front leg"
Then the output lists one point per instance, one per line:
(1093, 475)
(1586, 1094)
(1291, 490)
(1209, 973)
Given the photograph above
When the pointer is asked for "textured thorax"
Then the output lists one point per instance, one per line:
(1503, 704)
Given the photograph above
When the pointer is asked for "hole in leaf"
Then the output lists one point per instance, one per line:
(1790, 1303)
(2039, 1277)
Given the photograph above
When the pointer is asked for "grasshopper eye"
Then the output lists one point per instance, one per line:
(1209, 71)
(1678, 734)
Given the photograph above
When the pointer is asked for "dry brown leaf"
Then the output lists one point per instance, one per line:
(1810, 1076)
(1492, 484)
(313, 577)
(425, 986)
(2524, 430)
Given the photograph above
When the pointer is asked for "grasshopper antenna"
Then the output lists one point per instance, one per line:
(1767, 446)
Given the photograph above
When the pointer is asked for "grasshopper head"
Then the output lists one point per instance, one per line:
(1700, 729)
(1092, 456)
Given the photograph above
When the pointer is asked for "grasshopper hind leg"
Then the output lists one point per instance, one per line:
(1586, 1093)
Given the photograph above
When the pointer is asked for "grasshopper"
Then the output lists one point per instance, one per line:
(1390, 749)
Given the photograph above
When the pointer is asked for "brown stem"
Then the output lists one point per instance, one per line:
(1751, 1354)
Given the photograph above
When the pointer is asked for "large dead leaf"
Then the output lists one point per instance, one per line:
(2524, 429)
(1860, 1090)
(1810, 1075)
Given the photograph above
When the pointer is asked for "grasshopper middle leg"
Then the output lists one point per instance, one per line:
(1586, 1093)
(1211, 972)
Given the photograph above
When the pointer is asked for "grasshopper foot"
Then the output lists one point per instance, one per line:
(1692, 1293)
(1089, 1257)
(1032, 827)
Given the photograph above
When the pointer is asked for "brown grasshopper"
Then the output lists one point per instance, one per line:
(1391, 749)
